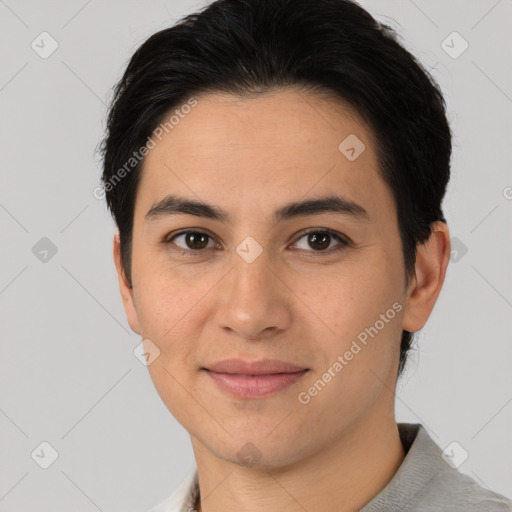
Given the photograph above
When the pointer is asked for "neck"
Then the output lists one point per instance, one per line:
(343, 477)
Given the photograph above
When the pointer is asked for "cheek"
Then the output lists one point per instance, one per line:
(348, 299)
(358, 358)
(166, 298)
(360, 312)
(176, 389)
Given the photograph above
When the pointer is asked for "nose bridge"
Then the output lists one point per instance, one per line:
(252, 277)
(251, 262)
(251, 300)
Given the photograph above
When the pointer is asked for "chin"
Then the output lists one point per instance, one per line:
(257, 452)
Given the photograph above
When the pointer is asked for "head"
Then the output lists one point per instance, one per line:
(307, 154)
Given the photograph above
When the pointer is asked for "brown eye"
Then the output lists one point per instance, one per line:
(320, 241)
(192, 240)
(196, 240)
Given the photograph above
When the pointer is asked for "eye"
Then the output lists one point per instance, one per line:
(194, 241)
(320, 240)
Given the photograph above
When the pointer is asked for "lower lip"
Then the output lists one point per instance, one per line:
(256, 386)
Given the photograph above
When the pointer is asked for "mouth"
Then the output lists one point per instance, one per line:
(246, 380)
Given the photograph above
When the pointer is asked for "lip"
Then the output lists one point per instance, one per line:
(256, 379)
(262, 367)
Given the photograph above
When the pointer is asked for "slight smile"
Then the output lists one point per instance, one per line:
(257, 379)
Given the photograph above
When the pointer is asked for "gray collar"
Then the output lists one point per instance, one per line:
(422, 463)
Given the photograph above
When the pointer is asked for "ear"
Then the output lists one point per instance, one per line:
(125, 289)
(432, 259)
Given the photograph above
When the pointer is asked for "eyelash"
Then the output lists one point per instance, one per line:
(344, 242)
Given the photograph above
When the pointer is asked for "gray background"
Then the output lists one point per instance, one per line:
(68, 373)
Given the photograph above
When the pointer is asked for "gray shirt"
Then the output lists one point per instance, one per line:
(424, 482)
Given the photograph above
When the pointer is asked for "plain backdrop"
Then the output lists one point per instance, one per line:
(69, 376)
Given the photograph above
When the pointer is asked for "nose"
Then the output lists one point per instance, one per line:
(254, 300)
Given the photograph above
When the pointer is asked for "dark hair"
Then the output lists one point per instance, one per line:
(251, 46)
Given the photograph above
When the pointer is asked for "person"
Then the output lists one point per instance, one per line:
(276, 171)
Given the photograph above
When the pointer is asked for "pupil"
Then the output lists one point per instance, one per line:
(314, 238)
(193, 238)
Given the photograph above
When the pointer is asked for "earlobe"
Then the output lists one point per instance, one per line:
(124, 287)
(432, 259)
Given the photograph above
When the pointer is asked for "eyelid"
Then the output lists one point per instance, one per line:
(171, 236)
(174, 234)
(331, 232)
(344, 241)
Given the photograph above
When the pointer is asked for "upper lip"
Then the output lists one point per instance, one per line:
(262, 367)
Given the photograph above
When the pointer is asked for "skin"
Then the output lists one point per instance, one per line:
(293, 303)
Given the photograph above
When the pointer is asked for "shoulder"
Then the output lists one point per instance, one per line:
(457, 492)
(439, 485)
(427, 481)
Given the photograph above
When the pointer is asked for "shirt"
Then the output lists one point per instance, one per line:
(424, 482)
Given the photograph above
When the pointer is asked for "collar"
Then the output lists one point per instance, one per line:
(422, 463)
(420, 466)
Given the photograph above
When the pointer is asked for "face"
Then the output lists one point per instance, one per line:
(321, 288)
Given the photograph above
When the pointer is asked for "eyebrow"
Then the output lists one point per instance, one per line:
(175, 205)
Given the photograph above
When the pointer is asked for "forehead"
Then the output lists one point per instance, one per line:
(274, 147)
